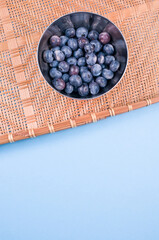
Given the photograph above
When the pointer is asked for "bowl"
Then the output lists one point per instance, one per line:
(93, 22)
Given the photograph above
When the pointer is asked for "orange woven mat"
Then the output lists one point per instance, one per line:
(30, 107)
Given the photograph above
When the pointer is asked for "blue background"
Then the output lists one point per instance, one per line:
(99, 181)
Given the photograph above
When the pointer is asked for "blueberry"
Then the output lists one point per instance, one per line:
(97, 45)
(94, 88)
(89, 48)
(55, 48)
(67, 51)
(70, 32)
(74, 70)
(108, 74)
(54, 73)
(59, 84)
(91, 58)
(48, 56)
(75, 80)
(72, 61)
(59, 55)
(108, 49)
(96, 70)
(109, 59)
(104, 37)
(64, 40)
(82, 41)
(54, 64)
(65, 77)
(82, 69)
(114, 66)
(93, 35)
(83, 90)
(63, 67)
(69, 88)
(81, 61)
(102, 82)
(78, 53)
(87, 76)
(72, 43)
(81, 32)
(55, 41)
(101, 58)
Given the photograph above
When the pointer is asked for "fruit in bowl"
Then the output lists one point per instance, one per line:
(80, 61)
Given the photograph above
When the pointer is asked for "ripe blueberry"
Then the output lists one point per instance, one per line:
(97, 45)
(108, 74)
(59, 55)
(81, 32)
(74, 70)
(55, 41)
(54, 73)
(114, 66)
(48, 56)
(108, 49)
(70, 32)
(59, 84)
(94, 88)
(67, 51)
(87, 76)
(69, 88)
(81, 61)
(83, 90)
(63, 67)
(93, 35)
(96, 70)
(91, 58)
(72, 43)
(75, 80)
(102, 82)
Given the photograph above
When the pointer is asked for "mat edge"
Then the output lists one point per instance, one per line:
(71, 123)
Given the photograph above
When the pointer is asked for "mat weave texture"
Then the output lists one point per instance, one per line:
(30, 107)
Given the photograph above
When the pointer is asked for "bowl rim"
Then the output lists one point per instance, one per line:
(93, 97)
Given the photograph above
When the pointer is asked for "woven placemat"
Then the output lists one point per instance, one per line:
(30, 107)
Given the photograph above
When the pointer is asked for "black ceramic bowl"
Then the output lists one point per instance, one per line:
(91, 21)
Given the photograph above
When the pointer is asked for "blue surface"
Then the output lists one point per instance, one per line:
(95, 182)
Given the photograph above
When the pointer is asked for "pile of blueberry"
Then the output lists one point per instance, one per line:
(81, 61)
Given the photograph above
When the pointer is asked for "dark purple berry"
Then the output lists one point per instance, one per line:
(81, 32)
(59, 55)
(55, 41)
(94, 88)
(91, 58)
(101, 58)
(87, 76)
(96, 70)
(114, 66)
(81, 61)
(82, 41)
(59, 84)
(97, 45)
(102, 82)
(89, 48)
(54, 64)
(63, 67)
(108, 49)
(70, 32)
(55, 48)
(104, 37)
(69, 88)
(108, 74)
(78, 53)
(64, 40)
(54, 73)
(93, 35)
(75, 80)
(72, 43)
(48, 56)
(72, 61)
(67, 51)
(109, 59)
(74, 70)
(83, 90)
(65, 77)
(82, 69)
